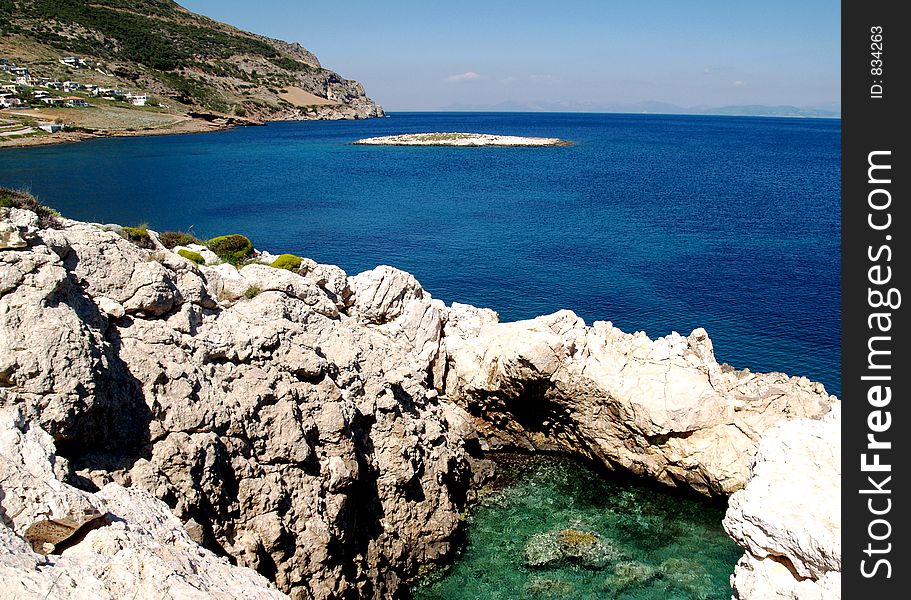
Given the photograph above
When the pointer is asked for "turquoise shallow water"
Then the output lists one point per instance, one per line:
(554, 528)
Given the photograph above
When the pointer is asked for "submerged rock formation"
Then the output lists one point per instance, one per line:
(321, 429)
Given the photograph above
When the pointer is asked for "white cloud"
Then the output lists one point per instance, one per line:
(739, 83)
(467, 76)
(509, 79)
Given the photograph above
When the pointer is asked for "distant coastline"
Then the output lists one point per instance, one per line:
(393, 112)
(179, 127)
(823, 111)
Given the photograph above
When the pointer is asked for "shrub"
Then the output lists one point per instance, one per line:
(47, 217)
(252, 292)
(172, 239)
(195, 257)
(139, 235)
(233, 248)
(288, 262)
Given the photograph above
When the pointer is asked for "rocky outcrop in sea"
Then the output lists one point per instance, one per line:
(254, 431)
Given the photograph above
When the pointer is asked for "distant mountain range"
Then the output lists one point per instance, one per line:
(824, 111)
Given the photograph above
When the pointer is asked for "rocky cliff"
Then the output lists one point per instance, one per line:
(321, 430)
(188, 61)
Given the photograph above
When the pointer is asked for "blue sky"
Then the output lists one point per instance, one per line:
(427, 55)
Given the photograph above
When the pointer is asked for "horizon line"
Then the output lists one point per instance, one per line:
(600, 112)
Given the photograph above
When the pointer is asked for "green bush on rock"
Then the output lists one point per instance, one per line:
(47, 217)
(195, 257)
(288, 262)
(139, 235)
(172, 239)
(232, 249)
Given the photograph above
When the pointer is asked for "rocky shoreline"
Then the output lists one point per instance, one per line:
(259, 432)
(204, 124)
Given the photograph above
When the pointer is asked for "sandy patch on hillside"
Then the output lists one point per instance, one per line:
(299, 97)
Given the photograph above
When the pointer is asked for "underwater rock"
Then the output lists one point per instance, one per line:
(549, 588)
(687, 575)
(584, 547)
(629, 573)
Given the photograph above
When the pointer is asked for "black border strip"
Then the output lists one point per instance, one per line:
(875, 338)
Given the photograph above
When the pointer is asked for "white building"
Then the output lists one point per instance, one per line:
(9, 100)
(138, 99)
(75, 62)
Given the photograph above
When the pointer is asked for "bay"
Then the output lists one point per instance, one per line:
(656, 223)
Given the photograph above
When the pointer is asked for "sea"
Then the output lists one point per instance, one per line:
(657, 223)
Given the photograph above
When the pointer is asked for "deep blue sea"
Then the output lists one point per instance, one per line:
(656, 223)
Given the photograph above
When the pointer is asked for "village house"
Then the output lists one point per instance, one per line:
(69, 101)
(8, 100)
(137, 99)
(21, 75)
(76, 102)
(11, 88)
(75, 62)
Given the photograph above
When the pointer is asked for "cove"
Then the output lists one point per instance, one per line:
(553, 527)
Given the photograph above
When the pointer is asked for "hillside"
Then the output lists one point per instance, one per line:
(185, 61)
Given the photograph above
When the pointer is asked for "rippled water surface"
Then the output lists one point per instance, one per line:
(553, 528)
(657, 223)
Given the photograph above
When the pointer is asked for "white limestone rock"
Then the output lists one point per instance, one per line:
(138, 549)
(208, 256)
(17, 226)
(788, 517)
(322, 429)
(659, 408)
(302, 442)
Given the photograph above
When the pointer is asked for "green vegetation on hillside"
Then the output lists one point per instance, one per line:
(158, 47)
(142, 35)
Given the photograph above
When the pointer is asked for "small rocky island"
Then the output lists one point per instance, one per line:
(460, 139)
(198, 419)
